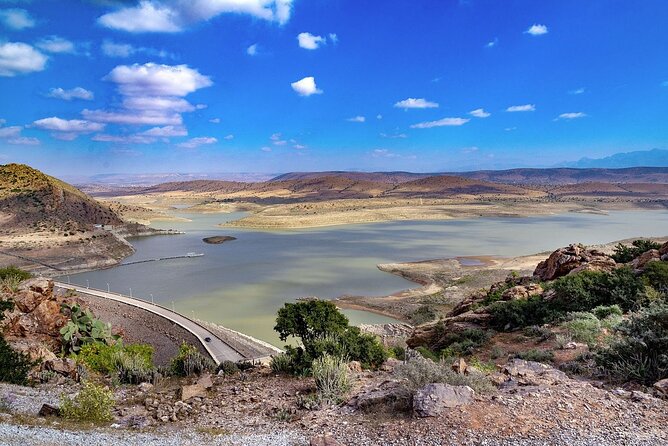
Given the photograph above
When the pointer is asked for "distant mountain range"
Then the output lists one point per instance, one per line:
(644, 158)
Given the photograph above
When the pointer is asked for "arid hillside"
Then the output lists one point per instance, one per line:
(31, 201)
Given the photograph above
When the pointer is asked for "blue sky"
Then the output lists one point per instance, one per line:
(285, 85)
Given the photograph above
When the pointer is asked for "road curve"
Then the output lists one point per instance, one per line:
(218, 349)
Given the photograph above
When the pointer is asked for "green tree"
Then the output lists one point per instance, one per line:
(310, 320)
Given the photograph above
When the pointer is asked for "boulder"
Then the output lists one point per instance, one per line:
(522, 292)
(196, 390)
(662, 386)
(571, 258)
(387, 396)
(434, 399)
(324, 440)
(47, 410)
(205, 381)
(460, 366)
(663, 250)
(36, 351)
(533, 373)
(639, 263)
(354, 367)
(62, 366)
(390, 364)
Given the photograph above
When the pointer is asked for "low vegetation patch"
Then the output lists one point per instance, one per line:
(536, 355)
(14, 366)
(417, 371)
(624, 253)
(93, 404)
(331, 378)
(189, 361)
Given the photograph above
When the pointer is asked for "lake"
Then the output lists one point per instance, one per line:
(242, 283)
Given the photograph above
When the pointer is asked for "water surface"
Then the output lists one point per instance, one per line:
(242, 283)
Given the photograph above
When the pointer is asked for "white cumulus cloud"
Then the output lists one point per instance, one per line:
(16, 19)
(252, 50)
(68, 95)
(57, 45)
(310, 42)
(194, 143)
(124, 139)
(356, 119)
(115, 49)
(166, 131)
(572, 115)
(521, 108)
(20, 58)
(68, 126)
(537, 30)
(306, 86)
(177, 15)
(577, 91)
(415, 103)
(480, 113)
(441, 123)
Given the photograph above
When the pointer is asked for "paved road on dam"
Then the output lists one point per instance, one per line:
(218, 349)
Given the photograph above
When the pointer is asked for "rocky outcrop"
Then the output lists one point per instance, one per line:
(662, 387)
(198, 389)
(639, 263)
(62, 366)
(571, 259)
(522, 292)
(387, 396)
(530, 373)
(434, 399)
(35, 322)
(663, 250)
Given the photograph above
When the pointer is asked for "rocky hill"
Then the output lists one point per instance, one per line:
(33, 201)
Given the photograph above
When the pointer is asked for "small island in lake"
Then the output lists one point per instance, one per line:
(218, 239)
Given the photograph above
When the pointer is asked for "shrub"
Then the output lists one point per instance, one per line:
(189, 361)
(624, 253)
(14, 366)
(84, 328)
(228, 368)
(14, 272)
(104, 358)
(281, 363)
(134, 367)
(656, 275)
(640, 352)
(398, 352)
(331, 378)
(603, 311)
(536, 331)
(322, 329)
(583, 327)
(93, 403)
(536, 355)
(423, 314)
(465, 342)
(520, 313)
(417, 371)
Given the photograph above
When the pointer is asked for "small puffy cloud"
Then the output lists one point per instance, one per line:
(310, 42)
(306, 86)
(114, 49)
(12, 135)
(229, 137)
(577, 91)
(356, 119)
(415, 103)
(664, 84)
(521, 108)
(124, 139)
(56, 45)
(394, 136)
(572, 115)
(20, 58)
(16, 19)
(166, 131)
(10, 132)
(445, 122)
(152, 79)
(194, 143)
(175, 16)
(492, 43)
(379, 116)
(537, 30)
(133, 117)
(68, 95)
(68, 126)
(24, 141)
(252, 50)
(214, 120)
(266, 149)
(480, 113)
(333, 38)
(299, 146)
(277, 140)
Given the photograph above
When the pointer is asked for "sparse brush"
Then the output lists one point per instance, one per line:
(583, 327)
(93, 403)
(563, 340)
(281, 363)
(417, 371)
(536, 331)
(331, 378)
(536, 355)
(189, 361)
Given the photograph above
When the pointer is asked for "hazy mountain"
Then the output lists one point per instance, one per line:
(644, 158)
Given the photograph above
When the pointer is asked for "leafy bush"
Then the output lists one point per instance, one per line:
(14, 272)
(624, 253)
(398, 352)
(656, 275)
(464, 342)
(423, 314)
(331, 378)
(93, 403)
(604, 311)
(521, 313)
(229, 367)
(281, 363)
(640, 352)
(189, 361)
(583, 327)
(536, 331)
(105, 358)
(322, 329)
(417, 371)
(135, 365)
(536, 355)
